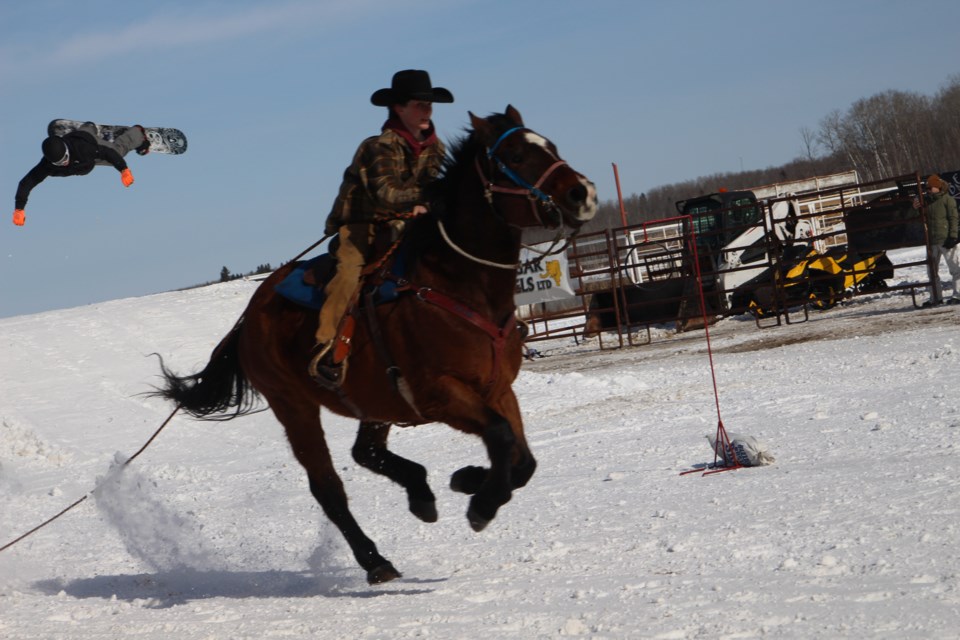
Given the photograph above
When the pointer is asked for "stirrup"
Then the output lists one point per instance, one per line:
(324, 371)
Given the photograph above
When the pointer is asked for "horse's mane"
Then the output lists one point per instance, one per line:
(442, 193)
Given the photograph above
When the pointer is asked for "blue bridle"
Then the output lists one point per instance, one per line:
(507, 171)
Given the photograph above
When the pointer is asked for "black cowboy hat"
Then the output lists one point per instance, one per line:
(410, 84)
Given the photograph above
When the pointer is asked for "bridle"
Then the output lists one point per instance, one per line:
(498, 333)
(532, 192)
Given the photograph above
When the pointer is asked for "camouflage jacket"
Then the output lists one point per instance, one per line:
(386, 177)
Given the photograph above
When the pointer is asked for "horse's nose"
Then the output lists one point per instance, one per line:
(578, 194)
(583, 198)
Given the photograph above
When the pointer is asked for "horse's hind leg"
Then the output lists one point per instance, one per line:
(302, 424)
(370, 451)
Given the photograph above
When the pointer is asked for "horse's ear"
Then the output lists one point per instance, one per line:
(514, 115)
(482, 128)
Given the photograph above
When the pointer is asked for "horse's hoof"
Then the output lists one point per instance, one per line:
(426, 510)
(468, 480)
(381, 574)
(477, 522)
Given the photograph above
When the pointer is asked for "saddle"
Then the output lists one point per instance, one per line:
(380, 283)
(305, 284)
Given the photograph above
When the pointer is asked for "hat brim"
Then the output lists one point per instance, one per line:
(387, 97)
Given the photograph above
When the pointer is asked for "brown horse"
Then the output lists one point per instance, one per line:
(447, 349)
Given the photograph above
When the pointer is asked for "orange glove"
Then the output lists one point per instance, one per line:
(126, 177)
(19, 217)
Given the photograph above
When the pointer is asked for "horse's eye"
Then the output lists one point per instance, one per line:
(516, 158)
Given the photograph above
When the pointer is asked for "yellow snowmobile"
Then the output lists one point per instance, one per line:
(822, 280)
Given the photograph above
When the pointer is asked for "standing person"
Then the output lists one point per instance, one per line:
(942, 227)
(385, 179)
(75, 154)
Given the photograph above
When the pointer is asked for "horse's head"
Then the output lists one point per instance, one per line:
(523, 165)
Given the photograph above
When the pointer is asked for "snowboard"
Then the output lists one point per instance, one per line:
(162, 139)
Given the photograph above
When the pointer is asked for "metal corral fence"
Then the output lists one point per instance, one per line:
(829, 245)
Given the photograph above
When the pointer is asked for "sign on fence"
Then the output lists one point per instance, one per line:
(542, 278)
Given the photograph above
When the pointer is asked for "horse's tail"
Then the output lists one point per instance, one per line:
(220, 392)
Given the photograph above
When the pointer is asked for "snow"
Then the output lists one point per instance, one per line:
(212, 533)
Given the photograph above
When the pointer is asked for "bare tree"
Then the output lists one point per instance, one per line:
(809, 140)
(892, 133)
(945, 129)
(897, 133)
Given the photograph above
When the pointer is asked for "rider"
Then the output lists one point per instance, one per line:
(75, 154)
(385, 180)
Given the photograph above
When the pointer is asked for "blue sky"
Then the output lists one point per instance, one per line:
(274, 98)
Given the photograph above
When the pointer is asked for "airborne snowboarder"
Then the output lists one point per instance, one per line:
(75, 154)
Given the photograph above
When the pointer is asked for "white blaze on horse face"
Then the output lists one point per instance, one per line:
(590, 205)
(540, 141)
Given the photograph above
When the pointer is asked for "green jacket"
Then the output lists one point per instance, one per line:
(941, 217)
(386, 177)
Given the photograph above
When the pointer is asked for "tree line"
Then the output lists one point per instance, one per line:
(889, 134)
(226, 276)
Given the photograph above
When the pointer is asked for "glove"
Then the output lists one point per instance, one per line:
(949, 243)
(19, 217)
(126, 177)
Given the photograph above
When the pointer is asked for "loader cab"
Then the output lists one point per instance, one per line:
(720, 217)
(728, 226)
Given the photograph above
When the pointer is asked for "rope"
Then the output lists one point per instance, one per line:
(311, 247)
(151, 438)
(722, 439)
(129, 460)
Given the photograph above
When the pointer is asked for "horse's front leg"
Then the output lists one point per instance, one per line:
(469, 479)
(496, 489)
(305, 433)
(511, 463)
(370, 451)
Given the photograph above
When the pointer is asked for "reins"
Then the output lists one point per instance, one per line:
(549, 251)
(498, 265)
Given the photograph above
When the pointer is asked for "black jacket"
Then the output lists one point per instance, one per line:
(84, 153)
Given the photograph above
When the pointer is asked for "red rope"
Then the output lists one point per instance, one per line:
(722, 441)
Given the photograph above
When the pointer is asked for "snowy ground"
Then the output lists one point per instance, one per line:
(212, 533)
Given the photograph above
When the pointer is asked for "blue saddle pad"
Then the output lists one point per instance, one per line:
(294, 289)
